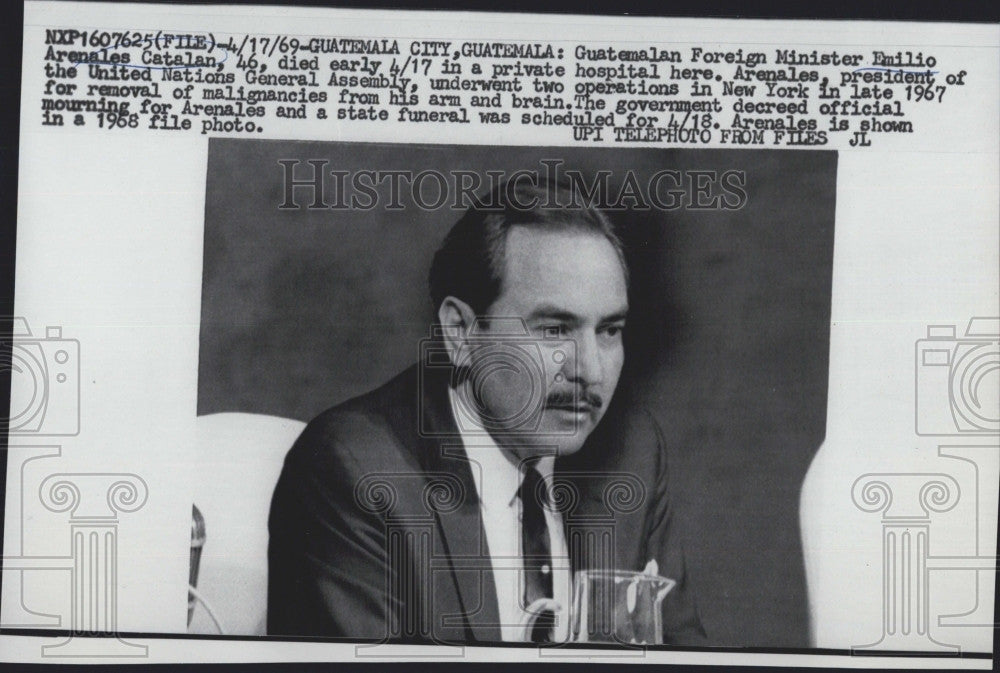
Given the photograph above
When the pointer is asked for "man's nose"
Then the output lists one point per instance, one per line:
(586, 367)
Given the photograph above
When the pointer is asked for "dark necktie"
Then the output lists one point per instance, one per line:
(535, 550)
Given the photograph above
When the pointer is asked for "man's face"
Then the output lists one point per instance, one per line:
(569, 288)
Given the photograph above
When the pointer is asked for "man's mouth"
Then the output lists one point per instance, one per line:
(587, 404)
(583, 408)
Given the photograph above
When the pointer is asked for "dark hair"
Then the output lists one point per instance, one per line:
(469, 263)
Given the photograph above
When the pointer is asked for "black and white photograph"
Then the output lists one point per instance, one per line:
(642, 333)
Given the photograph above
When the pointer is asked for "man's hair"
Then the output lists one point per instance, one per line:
(469, 264)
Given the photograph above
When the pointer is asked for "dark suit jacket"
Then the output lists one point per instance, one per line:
(375, 528)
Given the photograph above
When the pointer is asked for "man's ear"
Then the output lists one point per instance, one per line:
(455, 317)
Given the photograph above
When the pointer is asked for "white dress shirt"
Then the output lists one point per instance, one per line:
(497, 480)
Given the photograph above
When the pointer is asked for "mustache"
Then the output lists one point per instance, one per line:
(568, 398)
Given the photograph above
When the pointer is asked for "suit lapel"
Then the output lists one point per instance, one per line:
(461, 551)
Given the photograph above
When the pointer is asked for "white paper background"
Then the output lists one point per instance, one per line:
(110, 248)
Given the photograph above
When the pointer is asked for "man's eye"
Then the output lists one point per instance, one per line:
(613, 330)
(553, 331)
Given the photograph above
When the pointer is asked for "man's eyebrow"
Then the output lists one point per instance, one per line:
(556, 313)
(618, 316)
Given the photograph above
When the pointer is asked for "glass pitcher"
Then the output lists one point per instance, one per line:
(609, 606)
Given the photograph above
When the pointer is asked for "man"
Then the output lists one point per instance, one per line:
(457, 500)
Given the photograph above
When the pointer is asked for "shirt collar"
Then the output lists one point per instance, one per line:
(497, 478)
